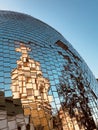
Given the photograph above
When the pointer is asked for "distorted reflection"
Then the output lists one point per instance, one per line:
(61, 102)
(29, 85)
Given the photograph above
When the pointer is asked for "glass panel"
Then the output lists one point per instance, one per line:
(44, 83)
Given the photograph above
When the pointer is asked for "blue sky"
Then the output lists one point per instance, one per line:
(76, 20)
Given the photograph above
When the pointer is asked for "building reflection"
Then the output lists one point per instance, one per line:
(30, 106)
(57, 69)
(29, 85)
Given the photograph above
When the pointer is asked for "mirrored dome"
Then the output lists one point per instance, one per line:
(44, 83)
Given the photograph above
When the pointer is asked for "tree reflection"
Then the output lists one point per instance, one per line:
(75, 101)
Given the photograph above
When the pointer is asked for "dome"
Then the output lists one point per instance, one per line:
(44, 83)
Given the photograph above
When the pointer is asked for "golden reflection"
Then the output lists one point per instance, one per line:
(32, 88)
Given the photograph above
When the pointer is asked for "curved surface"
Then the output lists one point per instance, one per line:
(43, 78)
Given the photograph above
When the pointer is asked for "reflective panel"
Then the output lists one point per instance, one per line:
(44, 83)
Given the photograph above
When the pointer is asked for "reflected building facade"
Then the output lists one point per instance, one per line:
(44, 83)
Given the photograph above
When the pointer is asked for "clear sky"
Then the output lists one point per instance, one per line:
(76, 20)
